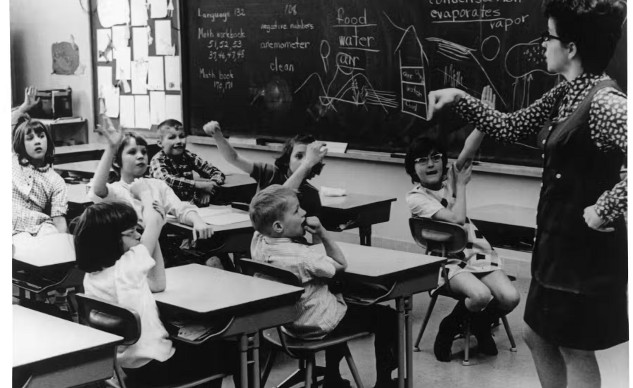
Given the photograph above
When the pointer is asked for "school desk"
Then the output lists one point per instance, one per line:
(59, 353)
(506, 226)
(355, 211)
(404, 274)
(236, 188)
(199, 291)
(84, 168)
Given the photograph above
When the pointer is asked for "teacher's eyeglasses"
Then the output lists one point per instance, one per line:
(435, 158)
(546, 37)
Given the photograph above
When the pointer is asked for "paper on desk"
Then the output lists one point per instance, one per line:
(140, 45)
(158, 8)
(141, 112)
(113, 12)
(104, 45)
(226, 219)
(332, 191)
(157, 107)
(155, 77)
(127, 111)
(138, 10)
(172, 72)
(213, 211)
(162, 35)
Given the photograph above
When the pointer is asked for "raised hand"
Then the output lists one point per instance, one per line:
(113, 135)
(488, 97)
(30, 98)
(315, 153)
(463, 176)
(438, 99)
(211, 128)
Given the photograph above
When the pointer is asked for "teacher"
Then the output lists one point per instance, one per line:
(577, 302)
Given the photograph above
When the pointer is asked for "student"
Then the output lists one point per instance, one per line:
(280, 224)
(127, 153)
(39, 195)
(440, 193)
(124, 266)
(301, 159)
(175, 165)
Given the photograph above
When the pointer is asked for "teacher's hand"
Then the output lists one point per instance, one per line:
(594, 221)
(442, 97)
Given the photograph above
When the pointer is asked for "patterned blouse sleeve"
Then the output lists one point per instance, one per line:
(607, 120)
(59, 197)
(509, 127)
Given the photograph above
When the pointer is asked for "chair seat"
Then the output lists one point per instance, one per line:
(312, 346)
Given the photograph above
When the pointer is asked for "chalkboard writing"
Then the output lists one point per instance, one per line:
(360, 71)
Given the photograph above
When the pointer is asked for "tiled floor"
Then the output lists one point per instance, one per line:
(508, 369)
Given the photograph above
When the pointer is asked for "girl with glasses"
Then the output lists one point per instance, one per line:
(577, 302)
(475, 273)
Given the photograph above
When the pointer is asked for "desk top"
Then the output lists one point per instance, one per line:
(217, 227)
(505, 214)
(367, 263)
(50, 250)
(84, 167)
(38, 336)
(353, 200)
(200, 289)
(236, 180)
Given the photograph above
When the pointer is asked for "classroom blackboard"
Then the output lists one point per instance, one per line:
(359, 71)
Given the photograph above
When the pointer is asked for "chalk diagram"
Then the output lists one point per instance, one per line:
(522, 62)
(355, 88)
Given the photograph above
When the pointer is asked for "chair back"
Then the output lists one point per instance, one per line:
(109, 317)
(269, 271)
(438, 237)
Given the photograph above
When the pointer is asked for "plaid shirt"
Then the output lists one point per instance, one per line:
(179, 173)
(38, 195)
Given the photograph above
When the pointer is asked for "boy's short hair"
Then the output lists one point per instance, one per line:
(23, 125)
(268, 206)
(169, 123)
(97, 232)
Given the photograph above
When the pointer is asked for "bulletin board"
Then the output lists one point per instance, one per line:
(136, 62)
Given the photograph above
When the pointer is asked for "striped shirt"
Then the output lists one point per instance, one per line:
(320, 311)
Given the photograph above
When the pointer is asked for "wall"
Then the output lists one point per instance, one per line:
(35, 26)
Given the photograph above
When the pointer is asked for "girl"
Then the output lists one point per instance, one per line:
(127, 154)
(122, 266)
(38, 192)
(440, 193)
(301, 159)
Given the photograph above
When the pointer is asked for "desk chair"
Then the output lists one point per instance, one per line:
(444, 238)
(302, 350)
(112, 318)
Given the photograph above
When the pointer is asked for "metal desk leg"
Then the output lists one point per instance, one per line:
(401, 345)
(408, 327)
(365, 235)
(255, 372)
(243, 348)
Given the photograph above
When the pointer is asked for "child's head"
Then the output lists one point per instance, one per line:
(131, 156)
(103, 233)
(426, 162)
(173, 139)
(293, 153)
(275, 212)
(32, 142)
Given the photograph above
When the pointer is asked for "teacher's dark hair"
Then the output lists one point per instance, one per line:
(421, 147)
(594, 26)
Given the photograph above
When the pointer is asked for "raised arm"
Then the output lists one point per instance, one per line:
(227, 151)
(30, 100)
(315, 152)
(114, 137)
(473, 141)
(457, 213)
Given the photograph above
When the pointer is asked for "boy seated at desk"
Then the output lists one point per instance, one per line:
(175, 165)
(280, 224)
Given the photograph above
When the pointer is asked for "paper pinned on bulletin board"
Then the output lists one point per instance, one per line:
(140, 47)
(162, 32)
(139, 12)
(120, 39)
(111, 96)
(123, 64)
(127, 111)
(139, 76)
(157, 107)
(141, 112)
(104, 45)
(172, 73)
(113, 12)
(173, 107)
(156, 76)
(104, 77)
(158, 8)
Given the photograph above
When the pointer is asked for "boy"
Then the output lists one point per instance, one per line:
(280, 224)
(175, 165)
